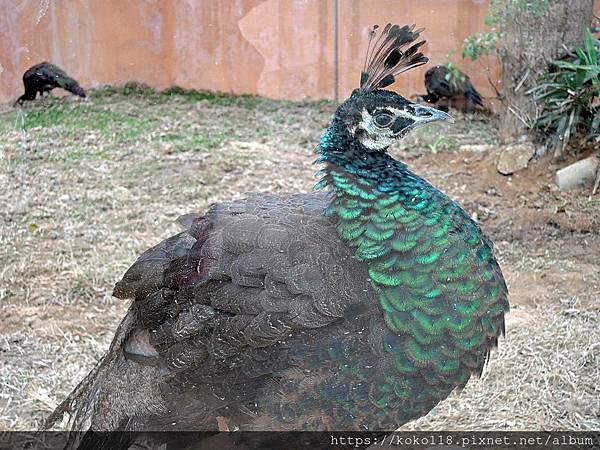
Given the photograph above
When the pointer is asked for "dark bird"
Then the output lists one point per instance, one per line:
(357, 308)
(441, 83)
(44, 77)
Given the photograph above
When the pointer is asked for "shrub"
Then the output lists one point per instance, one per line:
(568, 97)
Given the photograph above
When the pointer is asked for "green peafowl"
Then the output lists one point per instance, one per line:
(357, 308)
(440, 83)
(43, 78)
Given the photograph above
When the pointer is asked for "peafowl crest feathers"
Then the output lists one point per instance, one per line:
(393, 52)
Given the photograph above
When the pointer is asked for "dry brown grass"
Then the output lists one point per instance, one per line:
(85, 187)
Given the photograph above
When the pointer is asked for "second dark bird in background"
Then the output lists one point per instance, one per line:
(441, 83)
(44, 77)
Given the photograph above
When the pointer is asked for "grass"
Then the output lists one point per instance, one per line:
(72, 117)
(140, 90)
(88, 185)
(194, 141)
(442, 142)
(136, 112)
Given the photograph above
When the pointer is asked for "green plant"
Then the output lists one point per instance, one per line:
(131, 88)
(568, 97)
(481, 44)
(217, 98)
(442, 142)
(454, 74)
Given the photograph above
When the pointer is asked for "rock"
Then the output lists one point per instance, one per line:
(514, 157)
(577, 174)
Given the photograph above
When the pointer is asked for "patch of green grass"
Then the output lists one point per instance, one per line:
(129, 89)
(217, 98)
(143, 170)
(131, 127)
(199, 140)
(75, 118)
(435, 138)
(79, 153)
(120, 113)
(9, 121)
(44, 117)
(18, 160)
(487, 136)
(172, 137)
(141, 90)
(193, 141)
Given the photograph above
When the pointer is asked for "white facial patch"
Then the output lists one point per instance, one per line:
(374, 137)
(378, 138)
(401, 113)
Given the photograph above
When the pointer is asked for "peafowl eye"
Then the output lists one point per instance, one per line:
(383, 119)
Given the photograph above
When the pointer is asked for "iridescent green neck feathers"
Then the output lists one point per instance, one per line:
(438, 284)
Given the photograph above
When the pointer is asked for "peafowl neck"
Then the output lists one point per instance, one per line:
(353, 171)
(438, 285)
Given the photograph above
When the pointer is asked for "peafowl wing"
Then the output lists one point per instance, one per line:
(239, 317)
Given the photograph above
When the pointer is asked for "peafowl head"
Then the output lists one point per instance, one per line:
(375, 117)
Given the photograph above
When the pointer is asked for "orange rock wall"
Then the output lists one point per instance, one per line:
(275, 48)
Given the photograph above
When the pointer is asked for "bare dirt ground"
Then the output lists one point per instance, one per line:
(87, 186)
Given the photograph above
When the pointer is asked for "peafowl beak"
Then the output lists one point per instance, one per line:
(426, 114)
